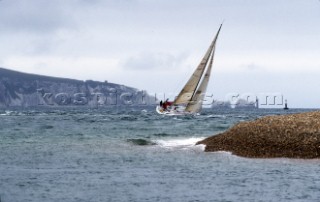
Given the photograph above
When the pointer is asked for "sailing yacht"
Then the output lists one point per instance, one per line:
(190, 98)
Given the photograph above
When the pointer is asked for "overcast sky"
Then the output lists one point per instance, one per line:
(270, 46)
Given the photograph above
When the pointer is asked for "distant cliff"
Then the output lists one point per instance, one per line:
(25, 90)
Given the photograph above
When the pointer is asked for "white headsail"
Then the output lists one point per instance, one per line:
(195, 104)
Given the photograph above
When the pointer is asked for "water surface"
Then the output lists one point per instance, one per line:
(134, 154)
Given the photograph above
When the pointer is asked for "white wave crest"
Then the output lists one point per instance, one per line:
(181, 143)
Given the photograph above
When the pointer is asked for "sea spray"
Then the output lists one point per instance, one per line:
(180, 143)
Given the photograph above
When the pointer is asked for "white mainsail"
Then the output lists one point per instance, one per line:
(191, 97)
(193, 92)
(189, 88)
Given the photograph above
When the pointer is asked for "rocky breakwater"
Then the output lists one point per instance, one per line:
(288, 136)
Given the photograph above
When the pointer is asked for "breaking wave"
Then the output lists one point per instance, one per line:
(181, 143)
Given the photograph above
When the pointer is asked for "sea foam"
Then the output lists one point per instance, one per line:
(181, 143)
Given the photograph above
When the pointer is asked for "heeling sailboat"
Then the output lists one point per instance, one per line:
(190, 98)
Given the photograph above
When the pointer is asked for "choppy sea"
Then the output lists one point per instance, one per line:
(134, 154)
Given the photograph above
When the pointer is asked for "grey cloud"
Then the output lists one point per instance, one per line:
(251, 67)
(34, 16)
(152, 61)
(37, 27)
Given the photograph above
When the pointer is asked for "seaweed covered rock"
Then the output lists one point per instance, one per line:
(290, 136)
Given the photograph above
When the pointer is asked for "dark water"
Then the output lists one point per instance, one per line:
(136, 155)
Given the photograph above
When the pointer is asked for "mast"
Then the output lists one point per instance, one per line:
(195, 103)
(210, 65)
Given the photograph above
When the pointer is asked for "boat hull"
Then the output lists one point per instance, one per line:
(171, 112)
